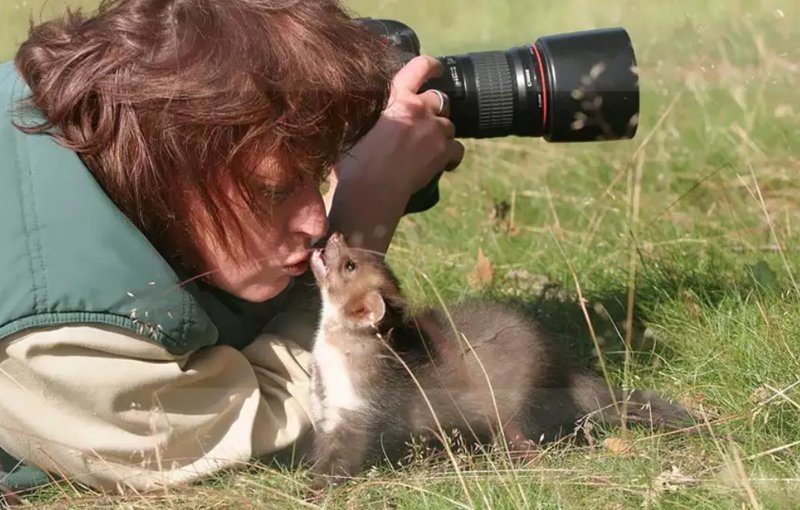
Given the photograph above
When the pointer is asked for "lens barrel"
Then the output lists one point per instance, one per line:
(572, 87)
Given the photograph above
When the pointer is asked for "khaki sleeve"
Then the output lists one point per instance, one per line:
(298, 317)
(114, 411)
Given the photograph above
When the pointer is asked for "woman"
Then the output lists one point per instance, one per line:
(161, 171)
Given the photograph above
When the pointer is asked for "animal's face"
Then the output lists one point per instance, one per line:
(353, 282)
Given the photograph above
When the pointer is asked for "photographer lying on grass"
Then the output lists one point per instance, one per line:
(160, 192)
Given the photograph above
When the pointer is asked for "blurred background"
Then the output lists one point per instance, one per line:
(699, 213)
(714, 163)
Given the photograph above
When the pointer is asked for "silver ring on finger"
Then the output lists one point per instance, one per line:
(442, 101)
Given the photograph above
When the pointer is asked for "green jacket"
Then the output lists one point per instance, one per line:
(68, 255)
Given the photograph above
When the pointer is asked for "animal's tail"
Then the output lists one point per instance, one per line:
(593, 398)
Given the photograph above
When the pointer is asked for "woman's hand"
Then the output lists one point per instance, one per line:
(411, 143)
(414, 139)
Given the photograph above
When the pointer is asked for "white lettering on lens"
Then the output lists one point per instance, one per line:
(454, 75)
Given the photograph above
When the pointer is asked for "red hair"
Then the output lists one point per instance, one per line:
(173, 103)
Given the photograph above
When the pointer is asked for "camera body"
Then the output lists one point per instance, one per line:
(571, 87)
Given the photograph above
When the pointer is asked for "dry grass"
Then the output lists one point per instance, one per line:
(671, 259)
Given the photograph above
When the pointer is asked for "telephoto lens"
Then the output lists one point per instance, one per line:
(571, 87)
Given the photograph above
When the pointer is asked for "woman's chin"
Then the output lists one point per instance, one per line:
(264, 292)
(258, 292)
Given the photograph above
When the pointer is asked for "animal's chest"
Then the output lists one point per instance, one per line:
(340, 382)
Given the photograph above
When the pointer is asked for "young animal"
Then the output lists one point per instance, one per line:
(380, 375)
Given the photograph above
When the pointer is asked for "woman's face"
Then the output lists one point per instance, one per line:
(280, 250)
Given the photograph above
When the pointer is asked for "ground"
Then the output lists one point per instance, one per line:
(681, 240)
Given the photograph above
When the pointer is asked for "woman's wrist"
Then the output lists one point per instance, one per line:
(411, 143)
(367, 204)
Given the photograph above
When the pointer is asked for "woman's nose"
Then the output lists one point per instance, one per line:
(310, 218)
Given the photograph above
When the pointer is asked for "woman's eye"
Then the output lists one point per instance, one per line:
(276, 193)
(350, 266)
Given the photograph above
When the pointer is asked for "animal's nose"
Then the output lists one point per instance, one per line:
(335, 238)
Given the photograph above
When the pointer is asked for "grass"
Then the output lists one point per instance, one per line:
(692, 227)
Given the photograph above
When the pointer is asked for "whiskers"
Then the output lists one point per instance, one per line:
(367, 250)
(316, 244)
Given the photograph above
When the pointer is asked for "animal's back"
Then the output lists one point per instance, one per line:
(497, 359)
(533, 376)
(509, 344)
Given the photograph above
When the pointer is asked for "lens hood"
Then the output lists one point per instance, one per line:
(593, 85)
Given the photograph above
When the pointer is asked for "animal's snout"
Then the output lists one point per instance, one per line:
(335, 238)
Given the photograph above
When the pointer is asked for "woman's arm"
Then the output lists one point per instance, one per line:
(407, 147)
(405, 150)
(113, 410)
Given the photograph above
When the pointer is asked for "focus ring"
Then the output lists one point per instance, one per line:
(495, 90)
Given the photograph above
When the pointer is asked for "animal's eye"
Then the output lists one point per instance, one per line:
(350, 266)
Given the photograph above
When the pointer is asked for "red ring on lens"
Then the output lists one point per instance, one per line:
(535, 52)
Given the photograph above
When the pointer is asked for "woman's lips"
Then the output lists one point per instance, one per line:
(299, 266)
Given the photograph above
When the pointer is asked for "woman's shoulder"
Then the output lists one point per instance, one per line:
(68, 254)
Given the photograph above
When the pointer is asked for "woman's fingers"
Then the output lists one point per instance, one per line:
(437, 101)
(417, 71)
(455, 153)
(447, 127)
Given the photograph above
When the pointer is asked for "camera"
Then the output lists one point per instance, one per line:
(571, 87)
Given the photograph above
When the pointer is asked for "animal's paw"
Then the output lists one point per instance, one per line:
(525, 451)
(320, 482)
(316, 489)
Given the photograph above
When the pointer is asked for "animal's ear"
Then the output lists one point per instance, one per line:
(367, 310)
